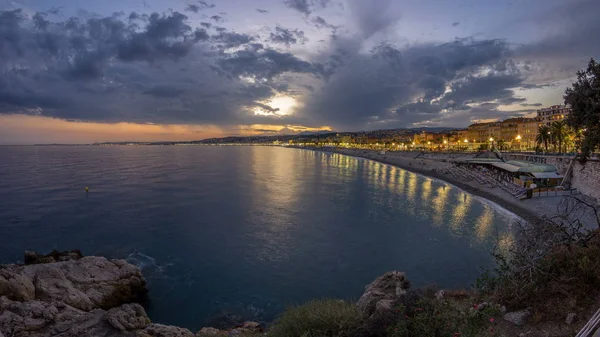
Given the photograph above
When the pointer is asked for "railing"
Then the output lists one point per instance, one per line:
(553, 191)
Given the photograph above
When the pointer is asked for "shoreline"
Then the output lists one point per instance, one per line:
(432, 170)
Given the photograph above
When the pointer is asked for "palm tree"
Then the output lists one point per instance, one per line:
(560, 133)
(501, 144)
(543, 136)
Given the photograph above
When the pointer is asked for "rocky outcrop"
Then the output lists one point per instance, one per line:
(84, 283)
(382, 293)
(68, 295)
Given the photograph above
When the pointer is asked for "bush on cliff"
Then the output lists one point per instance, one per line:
(434, 317)
(318, 318)
(553, 267)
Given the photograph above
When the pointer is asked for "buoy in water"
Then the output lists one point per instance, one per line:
(87, 189)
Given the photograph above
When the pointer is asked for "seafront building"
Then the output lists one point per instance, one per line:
(553, 113)
(512, 134)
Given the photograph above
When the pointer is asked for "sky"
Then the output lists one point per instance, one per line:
(81, 71)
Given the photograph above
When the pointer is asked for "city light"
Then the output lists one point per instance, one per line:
(466, 140)
(445, 142)
(491, 139)
(518, 137)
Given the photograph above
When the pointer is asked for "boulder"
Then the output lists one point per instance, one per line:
(517, 317)
(386, 289)
(83, 283)
(570, 318)
(159, 330)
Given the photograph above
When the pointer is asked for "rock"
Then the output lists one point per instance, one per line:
(159, 330)
(503, 310)
(83, 283)
(517, 317)
(128, 317)
(209, 332)
(54, 256)
(387, 287)
(439, 295)
(15, 285)
(254, 326)
(28, 319)
(570, 318)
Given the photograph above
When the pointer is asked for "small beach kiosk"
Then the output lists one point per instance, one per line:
(521, 173)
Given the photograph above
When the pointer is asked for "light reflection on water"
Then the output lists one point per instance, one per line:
(250, 229)
(444, 205)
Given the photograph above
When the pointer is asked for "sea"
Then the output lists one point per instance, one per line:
(227, 233)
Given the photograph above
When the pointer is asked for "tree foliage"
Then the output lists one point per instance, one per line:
(543, 136)
(560, 132)
(584, 99)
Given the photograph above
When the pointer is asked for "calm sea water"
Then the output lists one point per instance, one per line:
(242, 230)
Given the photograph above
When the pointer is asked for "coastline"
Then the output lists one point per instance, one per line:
(530, 210)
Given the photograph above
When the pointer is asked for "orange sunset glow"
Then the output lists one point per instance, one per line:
(27, 129)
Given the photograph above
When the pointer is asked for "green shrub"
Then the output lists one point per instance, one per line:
(317, 318)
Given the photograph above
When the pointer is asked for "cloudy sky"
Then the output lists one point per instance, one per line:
(85, 70)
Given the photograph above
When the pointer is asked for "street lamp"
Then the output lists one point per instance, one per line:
(518, 138)
(492, 141)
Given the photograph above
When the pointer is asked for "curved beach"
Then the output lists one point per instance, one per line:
(529, 209)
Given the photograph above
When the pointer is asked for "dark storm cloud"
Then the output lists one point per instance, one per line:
(302, 6)
(287, 36)
(322, 23)
(571, 38)
(160, 68)
(372, 16)
(485, 88)
(201, 5)
(455, 24)
(217, 18)
(44, 66)
(262, 11)
(401, 84)
(266, 107)
(192, 8)
(265, 63)
(164, 91)
(232, 39)
(536, 86)
(306, 7)
(532, 104)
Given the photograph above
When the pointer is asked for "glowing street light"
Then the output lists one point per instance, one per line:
(466, 140)
(491, 139)
(445, 142)
(518, 137)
